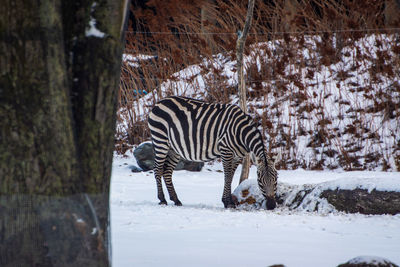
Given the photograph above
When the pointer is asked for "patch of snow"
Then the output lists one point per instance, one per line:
(370, 184)
(134, 60)
(94, 231)
(251, 186)
(92, 30)
(129, 57)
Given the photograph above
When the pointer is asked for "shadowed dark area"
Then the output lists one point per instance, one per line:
(271, 203)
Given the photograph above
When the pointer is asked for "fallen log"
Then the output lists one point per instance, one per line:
(365, 196)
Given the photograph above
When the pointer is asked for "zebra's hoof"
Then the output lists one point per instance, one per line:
(178, 203)
(163, 202)
(229, 203)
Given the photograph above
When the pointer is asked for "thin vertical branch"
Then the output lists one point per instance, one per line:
(241, 82)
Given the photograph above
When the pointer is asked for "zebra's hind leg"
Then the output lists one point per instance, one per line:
(160, 156)
(169, 166)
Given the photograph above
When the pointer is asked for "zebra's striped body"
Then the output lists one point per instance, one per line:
(199, 131)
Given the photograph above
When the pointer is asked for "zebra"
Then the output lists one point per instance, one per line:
(187, 128)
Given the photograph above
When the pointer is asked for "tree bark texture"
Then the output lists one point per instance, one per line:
(58, 88)
(392, 9)
(240, 76)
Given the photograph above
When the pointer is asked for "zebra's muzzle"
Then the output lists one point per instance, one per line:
(271, 203)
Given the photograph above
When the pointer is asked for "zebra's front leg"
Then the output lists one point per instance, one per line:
(227, 163)
(160, 192)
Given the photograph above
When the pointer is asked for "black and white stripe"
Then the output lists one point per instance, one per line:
(200, 131)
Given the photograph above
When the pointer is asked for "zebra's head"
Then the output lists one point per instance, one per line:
(267, 180)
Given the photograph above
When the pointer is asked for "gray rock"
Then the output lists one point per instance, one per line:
(144, 155)
(189, 165)
(135, 168)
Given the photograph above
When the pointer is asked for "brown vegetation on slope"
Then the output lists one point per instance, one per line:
(177, 34)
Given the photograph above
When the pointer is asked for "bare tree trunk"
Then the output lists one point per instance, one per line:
(59, 76)
(206, 20)
(241, 82)
(392, 9)
(290, 9)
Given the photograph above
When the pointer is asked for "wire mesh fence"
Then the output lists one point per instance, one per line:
(323, 85)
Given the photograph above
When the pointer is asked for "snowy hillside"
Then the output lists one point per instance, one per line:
(203, 233)
(319, 108)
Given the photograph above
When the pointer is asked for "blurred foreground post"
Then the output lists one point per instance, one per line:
(59, 76)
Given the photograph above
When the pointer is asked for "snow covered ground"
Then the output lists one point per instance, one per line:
(203, 233)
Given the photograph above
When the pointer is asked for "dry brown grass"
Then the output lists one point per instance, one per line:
(179, 35)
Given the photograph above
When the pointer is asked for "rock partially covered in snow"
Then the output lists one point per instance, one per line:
(248, 195)
(362, 201)
(368, 261)
(135, 168)
(350, 196)
(144, 155)
(295, 197)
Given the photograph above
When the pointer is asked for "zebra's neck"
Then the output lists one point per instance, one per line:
(255, 145)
